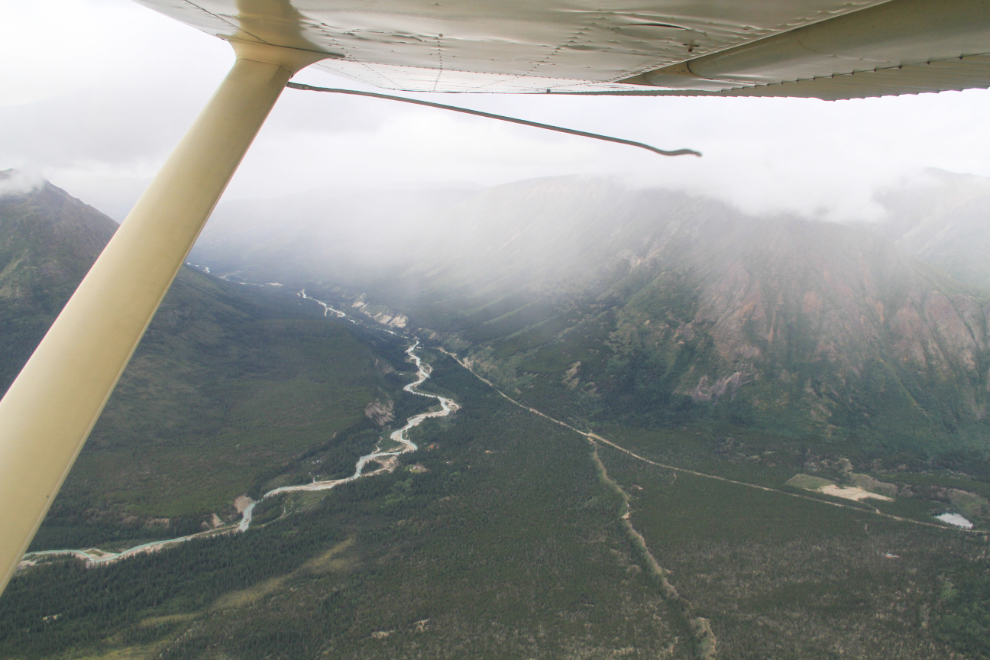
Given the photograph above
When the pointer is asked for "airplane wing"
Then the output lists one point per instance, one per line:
(827, 49)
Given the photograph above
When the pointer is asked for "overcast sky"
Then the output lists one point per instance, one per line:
(95, 93)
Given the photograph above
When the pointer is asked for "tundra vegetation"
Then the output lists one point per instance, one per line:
(504, 543)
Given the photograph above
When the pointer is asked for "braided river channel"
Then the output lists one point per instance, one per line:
(385, 455)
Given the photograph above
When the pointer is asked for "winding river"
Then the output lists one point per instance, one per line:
(399, 442)
(385, 453)
(327, 309)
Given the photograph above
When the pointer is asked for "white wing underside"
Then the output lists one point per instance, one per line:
(830, 49)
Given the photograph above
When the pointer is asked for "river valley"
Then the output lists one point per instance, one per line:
(384, 455)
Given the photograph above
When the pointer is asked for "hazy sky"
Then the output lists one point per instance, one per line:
(95, 93)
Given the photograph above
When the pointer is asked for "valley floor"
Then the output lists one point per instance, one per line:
(781, 574)
(512, 536)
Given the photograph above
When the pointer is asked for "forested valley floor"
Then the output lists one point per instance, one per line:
(501, 540)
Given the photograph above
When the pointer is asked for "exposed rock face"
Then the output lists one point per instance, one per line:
(839, 301)
(706, 391)
(380, 412)
(835, 318)
(380, 314)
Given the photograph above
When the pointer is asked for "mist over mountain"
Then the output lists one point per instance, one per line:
(344, 234)
(653, 307)
(944, 218)
(782, 323)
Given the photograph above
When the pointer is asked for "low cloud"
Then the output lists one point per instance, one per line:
(147, 77)
(17, 182)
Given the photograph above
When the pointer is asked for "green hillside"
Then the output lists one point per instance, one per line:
(804, 329)
(226, 391)
(230, 386)
(48, 241)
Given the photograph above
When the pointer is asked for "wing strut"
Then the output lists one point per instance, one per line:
(489, 115)
(48, 412)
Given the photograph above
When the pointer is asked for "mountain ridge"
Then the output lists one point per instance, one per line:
(48, 241)
(638, 300)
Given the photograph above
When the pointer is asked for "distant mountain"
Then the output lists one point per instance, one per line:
(345, 234)
(944, 218)
(48, 241)
(651, 308)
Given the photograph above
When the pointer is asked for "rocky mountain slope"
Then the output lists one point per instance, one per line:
(651, 307)
(668, 308)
